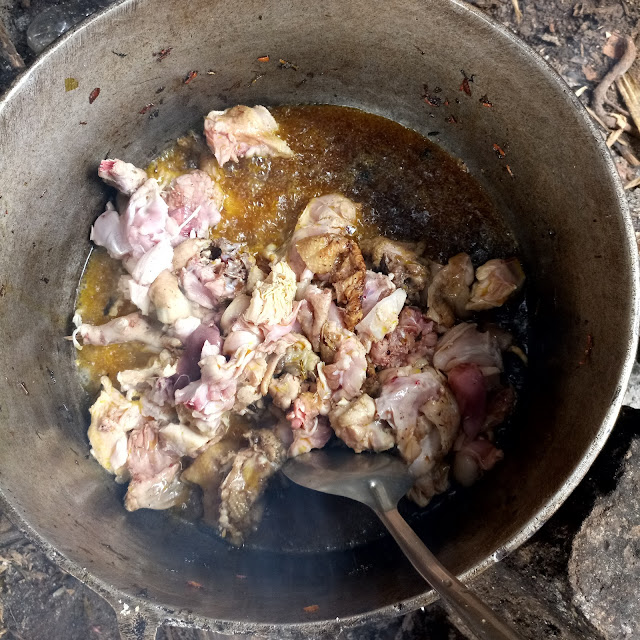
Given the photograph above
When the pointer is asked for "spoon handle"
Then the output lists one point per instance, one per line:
(479, 617)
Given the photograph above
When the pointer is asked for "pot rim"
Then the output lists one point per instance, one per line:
(157, 614)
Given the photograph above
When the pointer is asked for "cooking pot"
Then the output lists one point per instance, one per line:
(136, 76)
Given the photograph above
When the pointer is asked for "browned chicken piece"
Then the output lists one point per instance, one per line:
(410, 271)
(496, 280)
(340, 258)
(242, 488)
(449, 292)
(208, 471)
(355, 424)
(314, 313)
(430, 484)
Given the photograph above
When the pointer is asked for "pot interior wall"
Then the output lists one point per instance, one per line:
(559, 198)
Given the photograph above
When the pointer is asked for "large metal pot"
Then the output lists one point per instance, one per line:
(560, 196)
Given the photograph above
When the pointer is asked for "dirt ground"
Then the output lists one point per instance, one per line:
(582, 40)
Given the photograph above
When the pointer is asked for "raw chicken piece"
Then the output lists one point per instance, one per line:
(243, 132)
(161, 491)
(496, 280)
(382, 319)
(187, 251)
(124, 176)
(108, 232)
(424, 415)
(399, 259)
(473, 458)
(272, 300)
(150, 265)
(194, 202)
(310, 429)
(449, 293)
(413, 340)
(234, 312)
(470, 389)
(355, 424)
(112, 416)
(136, 293)
(210, 282)
(182, 439)
(135, 381)
(155, 472)
(154, 386)
(314, 313)
(167, 298)
(465, 344)
(243, 487)
(284, 390)
(331, 214)
(145, 219)
(376, 287)
(209, 398)
(130, 328)
(188, 369)
(346, 361)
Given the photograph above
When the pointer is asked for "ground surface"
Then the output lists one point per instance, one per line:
(575, 579)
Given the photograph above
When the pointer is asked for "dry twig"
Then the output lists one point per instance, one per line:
(622, 147)
(7, 49)
(516, 9)
(600, 92)
(634, 183)
(630, 91)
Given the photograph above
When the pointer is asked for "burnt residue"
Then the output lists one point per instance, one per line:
(409, 188)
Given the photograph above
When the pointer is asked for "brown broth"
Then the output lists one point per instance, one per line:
(408, 187)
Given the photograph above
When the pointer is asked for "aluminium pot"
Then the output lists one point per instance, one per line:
(561, 198)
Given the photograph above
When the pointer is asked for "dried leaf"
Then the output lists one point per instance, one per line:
(499, 151)
(190, 76)
(589, 72)
(614, 47)
(311, 608)
(194, 584)
(162, 54)
(70, 84)
(263, 59)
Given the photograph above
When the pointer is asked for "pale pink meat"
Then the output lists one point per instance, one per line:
(124, 176)
(129, 328)
(243, 132)
(348, 370)
(145, 219)
(496, 280)
(194, 203)
(376, 287)
(465, 344)
(108, 232)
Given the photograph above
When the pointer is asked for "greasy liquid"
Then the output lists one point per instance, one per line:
(408, 187)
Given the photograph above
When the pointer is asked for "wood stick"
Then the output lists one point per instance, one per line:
(7, 49)
(619, 69)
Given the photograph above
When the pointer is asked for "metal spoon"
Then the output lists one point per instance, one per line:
(379, 481)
